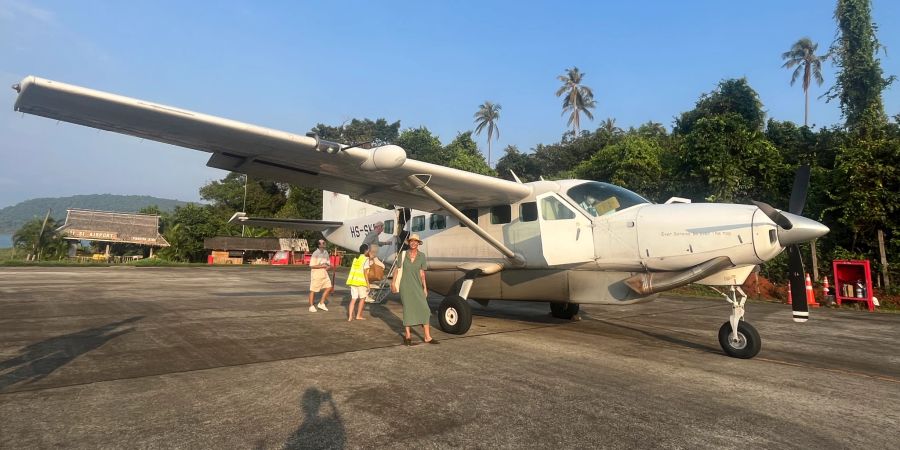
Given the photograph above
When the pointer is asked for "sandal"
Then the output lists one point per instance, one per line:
(407, 342)
(432, 341)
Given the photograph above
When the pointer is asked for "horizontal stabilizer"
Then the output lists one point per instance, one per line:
(240, 218)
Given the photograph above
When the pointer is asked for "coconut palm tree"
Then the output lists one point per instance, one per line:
(487, 116)
(609, 125)
(803, 55)
(578, 98)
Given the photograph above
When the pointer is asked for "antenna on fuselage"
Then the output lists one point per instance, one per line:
(515, 177)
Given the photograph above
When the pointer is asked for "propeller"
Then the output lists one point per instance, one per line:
(809, 229)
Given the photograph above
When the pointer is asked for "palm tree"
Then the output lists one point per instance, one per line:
(487, 116)
(803, 55)
(609, 125)
(578, 99)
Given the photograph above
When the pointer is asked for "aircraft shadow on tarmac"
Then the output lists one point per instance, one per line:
(665, 338)
(36, 361)
(322, 426)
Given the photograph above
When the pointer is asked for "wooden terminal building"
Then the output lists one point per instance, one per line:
(111, 227)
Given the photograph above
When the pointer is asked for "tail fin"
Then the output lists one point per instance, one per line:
(341, 207)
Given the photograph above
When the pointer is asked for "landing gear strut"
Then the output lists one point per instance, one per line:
(738, 338)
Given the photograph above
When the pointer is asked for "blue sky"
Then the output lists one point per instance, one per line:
(294, 64)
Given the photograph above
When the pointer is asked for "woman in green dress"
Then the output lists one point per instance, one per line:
(413, 290)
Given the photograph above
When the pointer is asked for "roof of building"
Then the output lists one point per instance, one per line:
(107, 226)
(268, 244)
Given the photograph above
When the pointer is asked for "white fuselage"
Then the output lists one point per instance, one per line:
(571, 255)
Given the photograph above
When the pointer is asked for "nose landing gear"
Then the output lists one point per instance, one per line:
(738, 338)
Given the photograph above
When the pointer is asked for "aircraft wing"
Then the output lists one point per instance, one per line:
(377, 174)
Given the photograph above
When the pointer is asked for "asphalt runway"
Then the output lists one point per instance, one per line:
(228, 357)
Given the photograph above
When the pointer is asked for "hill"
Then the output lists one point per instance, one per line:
(13, 217)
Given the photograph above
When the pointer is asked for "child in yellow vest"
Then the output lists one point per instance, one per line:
(359, 282)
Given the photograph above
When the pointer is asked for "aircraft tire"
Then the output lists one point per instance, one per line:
(563, 310)
(455, 315)
(748, 345)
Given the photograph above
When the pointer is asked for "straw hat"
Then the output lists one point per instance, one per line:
(414, 237)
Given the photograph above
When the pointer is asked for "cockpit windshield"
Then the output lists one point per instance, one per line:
(600, 199)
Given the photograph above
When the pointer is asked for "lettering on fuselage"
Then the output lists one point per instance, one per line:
(689, 233)
(357, 231)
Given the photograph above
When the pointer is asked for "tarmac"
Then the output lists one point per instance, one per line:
(229, 357)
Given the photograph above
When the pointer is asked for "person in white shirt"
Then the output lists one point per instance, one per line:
(319, 263)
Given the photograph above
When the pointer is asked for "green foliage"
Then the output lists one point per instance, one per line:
(728, 160)
(377, 132)
(633, 163)
(734, 96)
(523, 165)
(48, 245)
(264, 198)
(421, 145)
(868, 194)
(464, 155)
(859, 82)
(190, 225)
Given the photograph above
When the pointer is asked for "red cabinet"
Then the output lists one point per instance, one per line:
(853, 282)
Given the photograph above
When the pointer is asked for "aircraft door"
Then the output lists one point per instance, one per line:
(566, 235)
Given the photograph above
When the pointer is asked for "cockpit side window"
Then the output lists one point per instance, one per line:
(599, 199)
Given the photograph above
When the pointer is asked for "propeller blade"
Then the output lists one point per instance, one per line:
(798, 193)
(798, 284)
(773, 214)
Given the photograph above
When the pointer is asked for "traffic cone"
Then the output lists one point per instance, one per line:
(790, 298)
(810, 295)
(825, 287)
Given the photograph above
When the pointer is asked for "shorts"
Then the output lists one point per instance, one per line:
(319, 280)
(359, 292)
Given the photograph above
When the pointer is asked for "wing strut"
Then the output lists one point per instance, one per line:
(513, 257)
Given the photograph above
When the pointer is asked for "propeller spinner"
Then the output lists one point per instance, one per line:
(795, 229)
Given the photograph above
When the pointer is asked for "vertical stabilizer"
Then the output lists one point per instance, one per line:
(340, 207)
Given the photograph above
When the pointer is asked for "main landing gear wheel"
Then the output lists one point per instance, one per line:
(744, 345)
(455, 315)
(563, 310)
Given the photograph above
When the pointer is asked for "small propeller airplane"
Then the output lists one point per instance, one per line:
(567, 242)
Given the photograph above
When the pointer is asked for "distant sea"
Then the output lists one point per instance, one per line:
(5, 240)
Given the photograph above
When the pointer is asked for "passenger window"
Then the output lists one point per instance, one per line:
(418, 223)
(389, 226)
(472, 214)
(437, 222)
(528, 212)
(553, 209)
(501, 214)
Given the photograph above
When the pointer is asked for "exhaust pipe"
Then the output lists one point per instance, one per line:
(653, 282)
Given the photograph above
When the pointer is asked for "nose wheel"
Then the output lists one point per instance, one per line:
(744, 344)
(738, 338)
